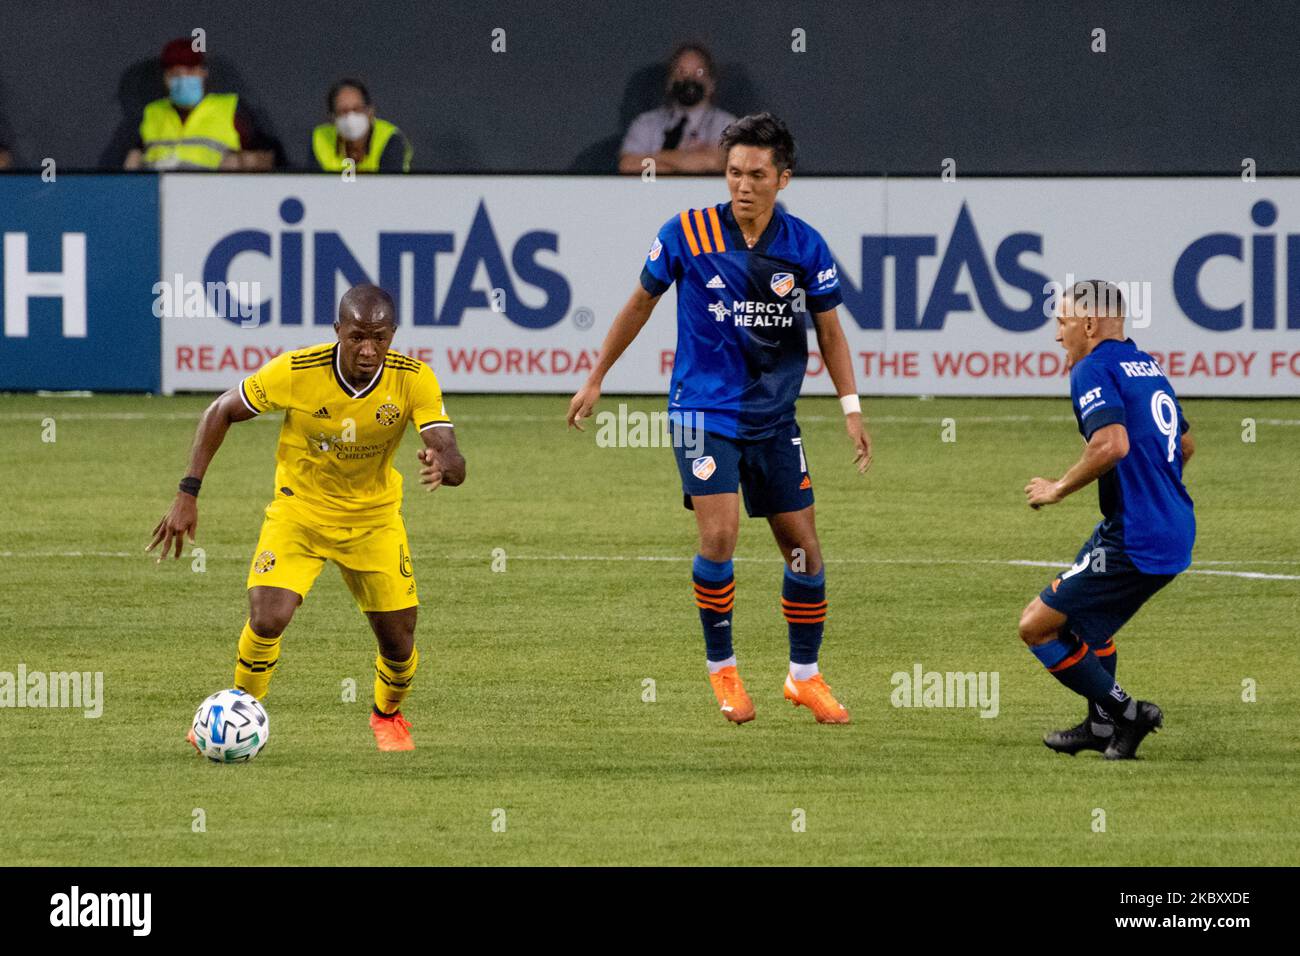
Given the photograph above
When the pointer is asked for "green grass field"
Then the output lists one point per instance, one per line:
(530, 693)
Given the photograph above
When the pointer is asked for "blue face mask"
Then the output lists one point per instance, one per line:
(186, 90)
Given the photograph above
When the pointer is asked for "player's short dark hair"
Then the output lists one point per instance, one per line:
(1104, 297)
(347, 81)
(761, 129)
(366, 298)
(702, 51)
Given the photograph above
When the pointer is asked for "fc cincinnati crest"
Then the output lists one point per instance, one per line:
(704, 467)
(264, 562)
(655, 248)
(387, 413)
(782, 283)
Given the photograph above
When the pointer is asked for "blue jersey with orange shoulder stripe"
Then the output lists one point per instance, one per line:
(742, 315)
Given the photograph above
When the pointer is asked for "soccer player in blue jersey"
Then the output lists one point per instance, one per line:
(748, 276)
(1137, 444)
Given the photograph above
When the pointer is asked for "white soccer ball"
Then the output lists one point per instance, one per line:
(231, 727)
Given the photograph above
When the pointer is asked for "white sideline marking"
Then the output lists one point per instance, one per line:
(1247, 574)
(558, 418)
(1231, 574)
(1020, 562)
(921, 561)
(104, 416)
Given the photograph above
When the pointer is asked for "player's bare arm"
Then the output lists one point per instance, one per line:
(1188, 445)
(834, 348)
(443, 463)
(701, 159)
(705, 159)
(1106, 447)
(183, 516)
(630, 164)
(629, 322)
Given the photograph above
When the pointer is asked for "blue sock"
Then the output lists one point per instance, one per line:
(715, 596)
(1074, 664)
(803, 601)
(1109, 658)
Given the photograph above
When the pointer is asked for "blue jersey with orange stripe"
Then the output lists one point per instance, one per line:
(742, 315)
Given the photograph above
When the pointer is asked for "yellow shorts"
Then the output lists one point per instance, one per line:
(375, 562)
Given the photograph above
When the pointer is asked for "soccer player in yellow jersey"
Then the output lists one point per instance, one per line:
(337, 496)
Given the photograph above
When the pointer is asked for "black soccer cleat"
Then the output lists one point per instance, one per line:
(1075, 739)
(1128, 734)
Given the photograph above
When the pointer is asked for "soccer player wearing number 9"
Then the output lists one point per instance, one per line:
(1137, 443)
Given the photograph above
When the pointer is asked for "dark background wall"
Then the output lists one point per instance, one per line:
(884, 86)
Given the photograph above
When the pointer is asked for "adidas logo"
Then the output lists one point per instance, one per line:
(321, 412)
(715, 283)
(723, 624)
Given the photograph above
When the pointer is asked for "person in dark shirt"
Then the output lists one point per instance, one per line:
(682, 135)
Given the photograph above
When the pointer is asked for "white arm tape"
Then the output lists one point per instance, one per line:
(850, 404)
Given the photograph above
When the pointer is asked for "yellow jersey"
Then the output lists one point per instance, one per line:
(334, 461)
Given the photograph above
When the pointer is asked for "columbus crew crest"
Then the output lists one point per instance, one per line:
(387, 414)
(264, 562)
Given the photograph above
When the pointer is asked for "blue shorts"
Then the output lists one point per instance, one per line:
(1101, 590)
(772, 472)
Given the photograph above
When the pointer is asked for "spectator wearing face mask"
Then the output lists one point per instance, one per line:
(191, 128)
(682, 135)
(373, 145)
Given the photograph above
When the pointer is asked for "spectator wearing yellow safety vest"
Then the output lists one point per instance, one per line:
(191, 128)
(373, 145)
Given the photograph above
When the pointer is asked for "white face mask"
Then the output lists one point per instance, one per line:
(352, 126)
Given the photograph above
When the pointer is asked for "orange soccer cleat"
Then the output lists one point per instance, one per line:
(392, 732)
(194, 742)
(817, 697)
(732, 699)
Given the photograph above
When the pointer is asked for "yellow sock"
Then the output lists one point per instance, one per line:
(393, 681)
(256, 662)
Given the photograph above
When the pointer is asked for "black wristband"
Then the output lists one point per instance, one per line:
(191, 485)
